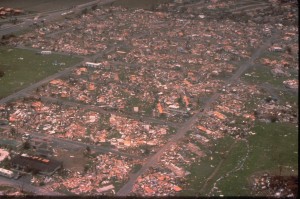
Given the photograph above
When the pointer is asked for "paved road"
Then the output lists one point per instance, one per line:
(20, 183)
(50, 16)
(75, 145)
(101, 110)
(153, 160)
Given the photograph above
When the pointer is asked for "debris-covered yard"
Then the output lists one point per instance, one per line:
(186, 98)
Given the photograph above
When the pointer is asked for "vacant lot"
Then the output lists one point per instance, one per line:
(23, 67)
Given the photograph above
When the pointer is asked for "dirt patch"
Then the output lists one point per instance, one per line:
(72, 160)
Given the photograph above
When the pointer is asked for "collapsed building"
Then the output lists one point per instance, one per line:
(38, 164)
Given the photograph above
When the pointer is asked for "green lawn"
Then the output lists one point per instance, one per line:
(262, 74)
(24, 67)
(288, 97)
(202, 169)
(273, 145)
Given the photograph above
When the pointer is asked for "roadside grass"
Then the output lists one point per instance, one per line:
(118, 184)
(7, 188)
(62, 189)
(136, 168)
(9, 143)
(4, 187)
(24, 67)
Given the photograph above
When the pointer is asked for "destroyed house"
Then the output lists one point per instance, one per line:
(46, 166)
(173, 110)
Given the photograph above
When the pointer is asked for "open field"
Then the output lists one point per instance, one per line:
(272, 146)
(261, 74)
(23, 67)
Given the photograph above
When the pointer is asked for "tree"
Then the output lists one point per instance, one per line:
(42, 183)
(1, 73)
(13, 131)
(289, 50)
(179, 100)
(34, 171)
(273, 118)
(84, 11)
(15, 20)
(94, 7)
(86, 168)
(199, 101)
(88, 150)
(7, 36)
(63, 173)
(145, 149)
(26, 145)
(255, 112)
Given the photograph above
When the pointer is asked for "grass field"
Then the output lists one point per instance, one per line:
(273, 145)
(24, 67)
(261, 74)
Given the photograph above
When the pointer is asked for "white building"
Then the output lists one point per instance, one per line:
(91, 64)
(46, 52)
(276, 49)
